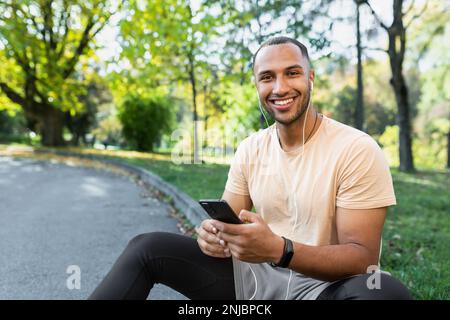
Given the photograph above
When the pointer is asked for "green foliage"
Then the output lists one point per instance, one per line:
(41, 39)
(429, 151)
(389, 143)
(108, 129)
(144, 120)
(47, 46)
(240, 103)
(12, 126)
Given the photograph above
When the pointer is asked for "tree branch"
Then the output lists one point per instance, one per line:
(417, 15)
(79, 50)
(12, 95)
(86, 37)
(423, 48)
(409, 8)
(66, 32)
(48, 23)
(375, 15)
(375, 49)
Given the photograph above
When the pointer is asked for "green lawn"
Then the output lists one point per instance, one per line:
(206, 181)
(416, 237)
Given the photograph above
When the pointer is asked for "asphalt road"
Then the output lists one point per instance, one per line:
(53, 216)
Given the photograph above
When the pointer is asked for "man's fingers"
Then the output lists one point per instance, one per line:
(208, 226)
(228, 238)
(208, 237)
(213, 250)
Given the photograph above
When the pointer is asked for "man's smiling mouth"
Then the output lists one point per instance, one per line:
(282, 104)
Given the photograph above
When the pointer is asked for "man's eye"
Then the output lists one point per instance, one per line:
(293, 73)
(265, 78)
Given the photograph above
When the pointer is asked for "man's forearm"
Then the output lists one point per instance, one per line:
(331, 262)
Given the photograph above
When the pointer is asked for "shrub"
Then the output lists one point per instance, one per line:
(145, 120)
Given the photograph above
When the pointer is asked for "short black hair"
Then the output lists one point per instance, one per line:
(281, 40)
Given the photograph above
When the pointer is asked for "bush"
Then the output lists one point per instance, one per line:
(145, 120)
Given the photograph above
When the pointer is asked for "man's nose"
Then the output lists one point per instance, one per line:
(280, 87)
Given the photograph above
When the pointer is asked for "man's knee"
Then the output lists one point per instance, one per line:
(146, 242)
(376, 286)
(144, 238)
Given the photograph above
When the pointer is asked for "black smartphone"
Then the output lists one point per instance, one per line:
(220, 210)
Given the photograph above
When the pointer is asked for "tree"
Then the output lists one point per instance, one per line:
(396, 51)
(80, 123)
(359, 111)
(46, 40)
(173, 38)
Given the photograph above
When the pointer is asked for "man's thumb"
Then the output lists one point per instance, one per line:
(247, 216)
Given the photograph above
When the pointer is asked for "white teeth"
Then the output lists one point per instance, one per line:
(282, 102)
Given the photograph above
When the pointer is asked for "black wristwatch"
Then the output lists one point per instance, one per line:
(288, 252)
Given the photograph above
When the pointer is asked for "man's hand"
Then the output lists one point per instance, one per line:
(251, 242)
(209, 242)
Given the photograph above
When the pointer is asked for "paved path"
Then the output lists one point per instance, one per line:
(54, 215)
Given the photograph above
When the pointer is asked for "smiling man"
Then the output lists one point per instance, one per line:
(320, 190)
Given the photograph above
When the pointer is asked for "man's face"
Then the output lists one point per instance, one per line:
(283, 77)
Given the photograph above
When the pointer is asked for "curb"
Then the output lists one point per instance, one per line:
(181, 201)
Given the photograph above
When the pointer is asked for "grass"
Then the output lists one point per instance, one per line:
(416, 236)
(205, 181)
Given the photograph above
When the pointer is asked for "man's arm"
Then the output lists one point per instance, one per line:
(358, 231)
(359, 237)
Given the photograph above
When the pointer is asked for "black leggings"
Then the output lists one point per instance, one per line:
(171, 259)
(177, 261)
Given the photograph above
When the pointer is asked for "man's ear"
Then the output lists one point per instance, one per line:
(311, 75)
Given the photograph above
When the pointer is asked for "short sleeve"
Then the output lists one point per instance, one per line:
(238, 173)
(364, 178)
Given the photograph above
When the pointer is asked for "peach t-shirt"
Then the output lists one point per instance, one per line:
(297, 192)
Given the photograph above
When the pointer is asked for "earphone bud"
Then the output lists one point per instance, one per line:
(312, 85)
(262, 112)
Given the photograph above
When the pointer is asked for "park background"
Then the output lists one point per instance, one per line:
(167, 85)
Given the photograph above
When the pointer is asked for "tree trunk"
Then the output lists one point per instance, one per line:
(396, 51)
(359, 111)
(206, 116)
(448, 150)
(205, 133)
(403, 121)
(194, 103)
(52, 124)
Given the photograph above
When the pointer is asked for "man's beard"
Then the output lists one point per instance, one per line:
(297, 115)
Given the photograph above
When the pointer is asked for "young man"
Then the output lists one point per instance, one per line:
(320, 189)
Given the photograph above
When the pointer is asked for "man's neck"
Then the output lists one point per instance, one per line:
(291, 136)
